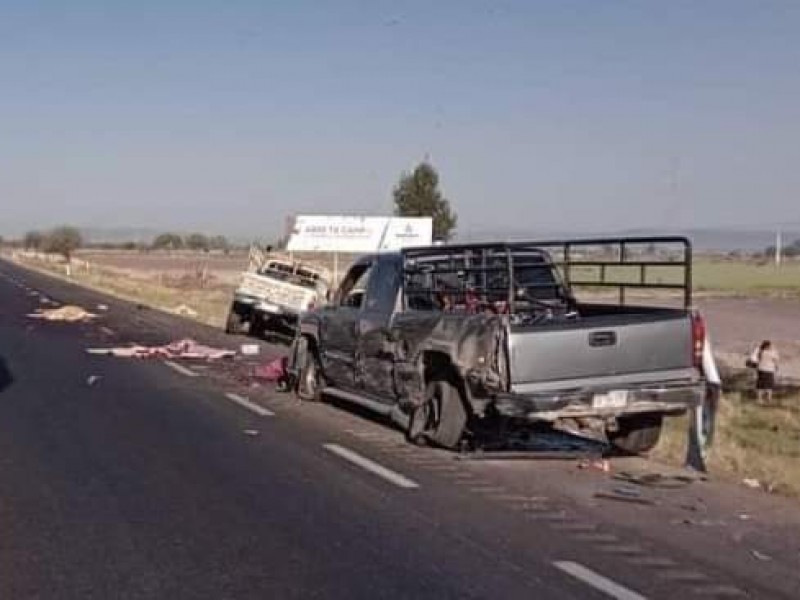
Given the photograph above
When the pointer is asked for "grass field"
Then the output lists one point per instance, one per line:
(751, 442)
(746, 277)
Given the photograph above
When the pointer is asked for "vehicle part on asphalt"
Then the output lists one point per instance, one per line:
(637, 433)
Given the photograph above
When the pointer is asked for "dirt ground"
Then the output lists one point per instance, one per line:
(223, 268)
(738, 324)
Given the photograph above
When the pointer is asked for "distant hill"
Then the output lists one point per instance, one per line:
(703, 240)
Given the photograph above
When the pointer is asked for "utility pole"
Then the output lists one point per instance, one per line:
(778, 249)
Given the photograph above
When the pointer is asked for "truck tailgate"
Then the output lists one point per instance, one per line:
(277, 292)
(601, 352)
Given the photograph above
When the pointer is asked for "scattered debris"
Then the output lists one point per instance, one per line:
(275, 370)
(184, 310)
(601, 465)
(744, 517)
(752, 483)
(186, 348)
(656, 480)
(92, 379)
(760, 555)
(624, 497)
(68, 313)
(250, 349)
(251, 432)
(102, 307)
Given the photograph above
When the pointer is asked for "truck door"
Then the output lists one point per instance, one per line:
(374, 361)
(340, 326)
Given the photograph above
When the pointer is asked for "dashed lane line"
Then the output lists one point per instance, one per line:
(370, 465)
(181, 369)
(251, 406)
(597, 581)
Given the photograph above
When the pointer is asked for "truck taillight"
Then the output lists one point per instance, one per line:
(698, 339)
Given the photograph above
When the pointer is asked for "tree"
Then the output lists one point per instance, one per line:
(197, 241)
(168, 241)
(64, 241)
(219, 242)
(418, 195)
(33, 240)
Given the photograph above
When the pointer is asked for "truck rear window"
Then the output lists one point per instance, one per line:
(480, 280)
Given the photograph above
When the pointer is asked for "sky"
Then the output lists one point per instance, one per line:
(565, 115)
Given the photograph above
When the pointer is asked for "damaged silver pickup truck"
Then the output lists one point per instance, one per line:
(444, 338)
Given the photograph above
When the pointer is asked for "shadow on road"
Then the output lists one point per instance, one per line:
(5, 375)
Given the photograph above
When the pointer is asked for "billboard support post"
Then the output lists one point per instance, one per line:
(335, 281)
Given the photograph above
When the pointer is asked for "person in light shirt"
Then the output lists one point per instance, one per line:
(766, 360)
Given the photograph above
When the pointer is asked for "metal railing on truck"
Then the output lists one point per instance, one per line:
(496, 271)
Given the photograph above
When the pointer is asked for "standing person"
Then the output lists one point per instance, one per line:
(765, 359)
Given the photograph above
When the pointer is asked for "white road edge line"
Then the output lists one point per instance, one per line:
(597, 581)
(245, 403)
(371, 466)
(181, 369)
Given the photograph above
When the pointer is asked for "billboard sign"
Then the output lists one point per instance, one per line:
(325, 233)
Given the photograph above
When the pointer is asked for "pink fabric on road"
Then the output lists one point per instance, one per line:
(185, 348)
(275, 370)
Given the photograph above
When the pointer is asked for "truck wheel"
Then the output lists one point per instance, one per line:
(442, 418)
(257, 324)
(234, 322)
(637, 434)
(309, 381)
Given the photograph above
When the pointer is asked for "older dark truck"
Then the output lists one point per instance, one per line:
(446, 338)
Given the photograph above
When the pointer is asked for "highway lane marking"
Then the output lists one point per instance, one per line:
(628, 550)
(600, 538)
(719, 590)
(597, 581)
(575, 527)
(653, 561)
(181, 369)
(251, 406)
(486, 489)
(371, 466)
(682, 576)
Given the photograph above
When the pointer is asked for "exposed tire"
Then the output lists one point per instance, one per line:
(637, 434)
(235, 323)
(442, 418)
(309, 380)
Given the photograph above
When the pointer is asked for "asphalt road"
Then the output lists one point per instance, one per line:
(135, 479)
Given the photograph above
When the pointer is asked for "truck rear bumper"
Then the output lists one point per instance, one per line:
(668, 398)
(251, 304)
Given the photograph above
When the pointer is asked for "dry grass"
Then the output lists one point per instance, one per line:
(752, 442)
(210, 300)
